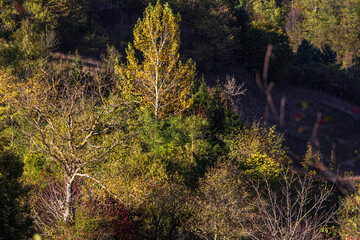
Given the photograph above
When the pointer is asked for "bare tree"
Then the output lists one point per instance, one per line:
(234, 90)
(297, 211)
(48, 207)
(71, 123)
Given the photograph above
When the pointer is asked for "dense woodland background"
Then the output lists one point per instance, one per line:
(179, 119)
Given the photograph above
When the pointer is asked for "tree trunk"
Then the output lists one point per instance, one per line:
(157, 85)
(69, 213)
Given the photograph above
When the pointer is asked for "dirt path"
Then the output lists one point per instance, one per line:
(339, 129)
(89, 63)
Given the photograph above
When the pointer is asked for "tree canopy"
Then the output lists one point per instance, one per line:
(109, 130)
(160, 81)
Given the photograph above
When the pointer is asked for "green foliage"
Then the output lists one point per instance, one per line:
(213, 105)
(15, 222)
(333, 23)
(165, 212)
(349, 216)
(9, 18)
(33, 42)
(268, 11)
(258, 151)
(174, 145)
(67, 17)
(10, 57)
(222, 120)
(210, 32)
(188, 175)
(157, 169)
(257, 38)
(29, 50)
(37, 170)
(215, 36)
(33, 27)
(102, 218)
(221, 206)
(318, 69)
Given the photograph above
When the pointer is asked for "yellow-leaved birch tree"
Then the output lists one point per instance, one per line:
(160, 81)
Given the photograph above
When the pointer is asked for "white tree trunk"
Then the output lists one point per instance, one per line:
(69, 211)
(157, 93)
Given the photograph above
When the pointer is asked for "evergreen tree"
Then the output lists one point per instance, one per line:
(15, 222)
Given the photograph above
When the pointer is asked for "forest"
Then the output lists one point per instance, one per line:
(179, 119)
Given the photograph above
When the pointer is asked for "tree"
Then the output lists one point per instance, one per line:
(349, 216)
(67, 120)
(298, 210)
(269, 12)
(221, 206)
(214, 35)
(332, 23)
(15, 222)
(259, 151)
(160, 81)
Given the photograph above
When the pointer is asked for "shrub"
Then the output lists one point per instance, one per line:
(349, 216)
(259, 151)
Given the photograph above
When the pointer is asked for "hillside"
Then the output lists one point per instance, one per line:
(339, 130)
(340, 125)
(173, 120)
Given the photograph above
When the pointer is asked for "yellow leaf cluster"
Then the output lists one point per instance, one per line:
(8, 86)
(259, 150)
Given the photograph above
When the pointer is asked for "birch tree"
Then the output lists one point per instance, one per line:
(160, 81)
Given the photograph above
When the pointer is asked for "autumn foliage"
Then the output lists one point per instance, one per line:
(160, 81)
(129, 139)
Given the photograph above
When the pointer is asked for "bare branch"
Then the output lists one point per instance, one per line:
(296, 212)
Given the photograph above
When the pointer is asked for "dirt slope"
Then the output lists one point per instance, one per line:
(339, 126)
